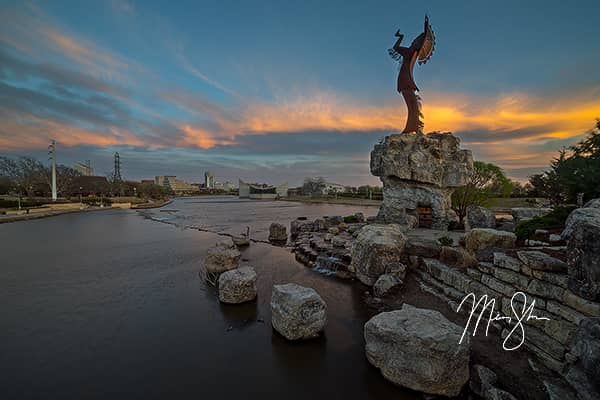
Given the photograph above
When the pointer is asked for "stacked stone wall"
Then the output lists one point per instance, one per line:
(500, 280)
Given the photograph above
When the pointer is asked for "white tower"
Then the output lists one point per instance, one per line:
(52, 153)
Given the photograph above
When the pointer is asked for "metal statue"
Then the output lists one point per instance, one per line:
(420, 51)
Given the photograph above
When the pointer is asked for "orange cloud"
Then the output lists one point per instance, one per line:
(35, 132)
(201, 138)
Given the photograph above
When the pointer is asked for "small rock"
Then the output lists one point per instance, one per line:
(457, 257)
(482, 379)
(479, 217)
(483, 242)
(338, 242)
(521, 214)
(335, 220)
(497, 394)
(224, 256)
(554, 239)
(237, 286)
(297, 312)
(386, 285)
(423, 247)
(277, 233)
(334, 230)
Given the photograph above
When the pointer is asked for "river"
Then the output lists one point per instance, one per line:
(109, 304)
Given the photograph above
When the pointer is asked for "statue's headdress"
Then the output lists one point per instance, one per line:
(426, 51)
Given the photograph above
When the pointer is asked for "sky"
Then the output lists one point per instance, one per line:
(274, 91)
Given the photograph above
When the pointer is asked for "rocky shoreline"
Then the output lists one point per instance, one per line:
(449, 303)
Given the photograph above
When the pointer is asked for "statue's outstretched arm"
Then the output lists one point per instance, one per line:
(403, 51)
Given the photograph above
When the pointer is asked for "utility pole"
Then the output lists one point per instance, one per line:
(117, 171)
(52, 152)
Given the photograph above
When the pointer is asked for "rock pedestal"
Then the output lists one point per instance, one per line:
(297, 312)
(419, 173)
(418, 349)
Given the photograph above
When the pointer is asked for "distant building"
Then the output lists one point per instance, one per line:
(262, 190)
(209, 180)
(318, 186)
(84, 168)
(177, 186)
(332, 188)
(147, 181)
(227, 186)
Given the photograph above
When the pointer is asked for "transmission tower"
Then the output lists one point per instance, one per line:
(117, 176)
(52, 153)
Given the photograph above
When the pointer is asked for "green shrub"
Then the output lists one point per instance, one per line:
(554, 220)
(350, 219)
(15, 203)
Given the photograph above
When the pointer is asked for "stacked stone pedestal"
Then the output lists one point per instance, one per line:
(420, 171)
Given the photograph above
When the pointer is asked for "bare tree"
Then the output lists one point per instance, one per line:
(25, 173)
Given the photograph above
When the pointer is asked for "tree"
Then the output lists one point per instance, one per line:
(487, 180)
(25, 173)
(520, 190)
(65, 178)
(150, 190)
(575, 170)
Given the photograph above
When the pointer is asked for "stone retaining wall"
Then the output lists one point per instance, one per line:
(500, 279)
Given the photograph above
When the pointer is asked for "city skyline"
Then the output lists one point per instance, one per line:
(274, 92)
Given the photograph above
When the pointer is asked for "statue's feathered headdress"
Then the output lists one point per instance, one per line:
(428, 47)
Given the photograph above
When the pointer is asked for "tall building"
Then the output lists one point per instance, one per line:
(177, 186)
(209, 180)
(85, 169)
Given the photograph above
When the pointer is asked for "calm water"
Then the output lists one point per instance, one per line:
(109, 304)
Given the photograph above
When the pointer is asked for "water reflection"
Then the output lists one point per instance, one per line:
(110, 304)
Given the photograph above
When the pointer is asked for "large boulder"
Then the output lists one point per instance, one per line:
(479, 217)
(482, 242)
(584, 359)
(224, 256)
(375, 247)
(418, 349)
(277, 233)
(594, 203)
(419, 171)
(237, 286)
(521, 214)
(539, 260)
(297, 312)
(582, 233)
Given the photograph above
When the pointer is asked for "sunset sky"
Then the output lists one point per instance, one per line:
(275, 90)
